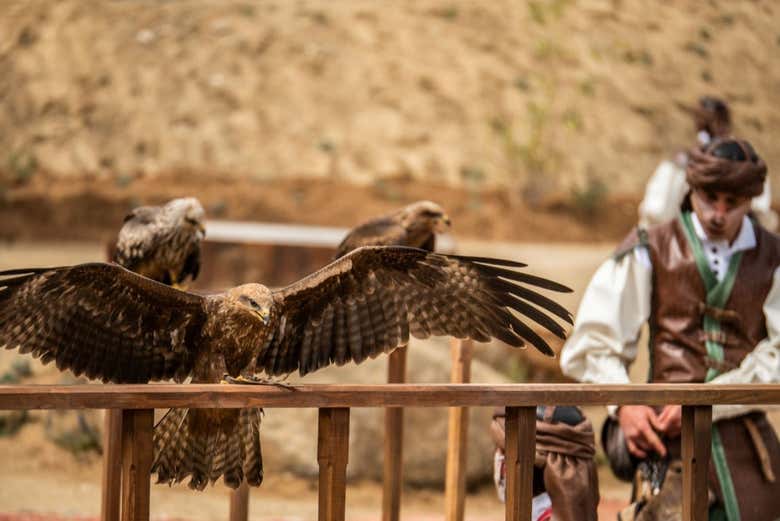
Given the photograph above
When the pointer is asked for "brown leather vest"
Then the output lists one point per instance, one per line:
(677, 337)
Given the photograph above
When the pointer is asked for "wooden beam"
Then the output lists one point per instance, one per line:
(159, 396)
(458, 429)
(520, 453)
(696, 449)
(137, 457)
(239, 503)
(332, 456)
(394, 442)
(112, 465)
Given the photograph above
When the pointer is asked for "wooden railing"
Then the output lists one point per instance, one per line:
(334, 402)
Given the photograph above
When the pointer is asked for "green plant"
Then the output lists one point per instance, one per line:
(79, 442)
(22, 368)
(546, 49)
(518, 369)
(587, 87)
(542, 11)
(522, 84)
(588, 199)
(326, 145)
(246, 10)
(12, 421)
(573, 120)
(22, 165)
(387, 191)
(123, 180)
(448, 13)
(72, 431)
(698, 49)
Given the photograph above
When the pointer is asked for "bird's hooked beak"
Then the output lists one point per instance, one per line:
(264, 315)
(200, 228)
(443, 223)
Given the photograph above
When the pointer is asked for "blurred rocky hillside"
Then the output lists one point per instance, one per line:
(536, 97)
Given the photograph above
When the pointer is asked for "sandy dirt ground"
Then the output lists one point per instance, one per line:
(36, 476)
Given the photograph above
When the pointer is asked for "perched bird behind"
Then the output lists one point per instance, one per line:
(107, 322)
(163, 242)
(415, 226)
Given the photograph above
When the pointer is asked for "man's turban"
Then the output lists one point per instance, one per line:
(727, 165)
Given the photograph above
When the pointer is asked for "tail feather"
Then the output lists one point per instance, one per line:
(206, 444)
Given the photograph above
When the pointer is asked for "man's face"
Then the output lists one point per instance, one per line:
(720, 213)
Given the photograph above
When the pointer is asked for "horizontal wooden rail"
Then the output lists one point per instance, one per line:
(335, 401)
(158, 396)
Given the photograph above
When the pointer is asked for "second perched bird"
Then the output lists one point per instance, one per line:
(163, 242)
(414, 225)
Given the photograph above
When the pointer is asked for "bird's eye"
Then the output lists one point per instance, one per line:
(191, 221)
(248, 301)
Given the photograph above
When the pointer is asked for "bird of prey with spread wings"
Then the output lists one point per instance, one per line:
(414, 225)
(163, 242)
(106, 322)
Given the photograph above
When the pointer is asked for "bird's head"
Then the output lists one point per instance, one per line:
(186, 212)
(255, 298)
(427, 214)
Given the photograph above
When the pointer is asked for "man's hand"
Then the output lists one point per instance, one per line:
(670, 421)
(639, 424)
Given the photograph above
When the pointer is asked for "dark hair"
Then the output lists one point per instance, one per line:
(716, 106)
(732, 150)
(713, 116)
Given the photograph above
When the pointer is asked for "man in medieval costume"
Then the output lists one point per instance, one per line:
(708, 285)
(667, 187)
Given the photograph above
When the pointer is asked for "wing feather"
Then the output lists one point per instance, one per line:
(101, 320)
(370, 300)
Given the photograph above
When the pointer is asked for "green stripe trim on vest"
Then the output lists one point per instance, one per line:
(698, 252)
(717, 292)
(724, 477)
(717, 295)
(717, 298)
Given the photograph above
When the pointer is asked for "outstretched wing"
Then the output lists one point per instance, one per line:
(101, 320)
(383, 231)
(369, 301)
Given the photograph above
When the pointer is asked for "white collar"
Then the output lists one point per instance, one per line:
(746, 240)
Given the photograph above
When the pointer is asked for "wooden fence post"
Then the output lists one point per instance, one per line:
(137, 457)
(332, 456)
(696, 448)
(239, 503)
(455, 482)
(520, 453)
(112, 465)
(392, 473)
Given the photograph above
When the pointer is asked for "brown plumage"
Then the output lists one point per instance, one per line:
(414, 225)
(106, 322)
(163, 242)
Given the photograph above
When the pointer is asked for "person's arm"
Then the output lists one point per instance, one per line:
(664, 194)
(760, 366)
(615, 305)
(761, 206)
(603, 343)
